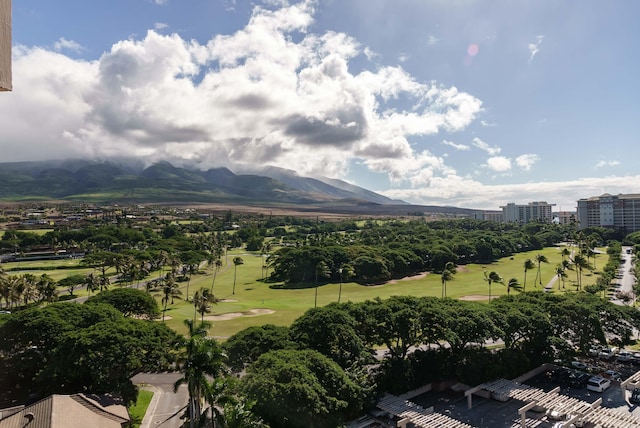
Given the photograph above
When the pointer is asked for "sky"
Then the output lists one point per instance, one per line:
(463, 103)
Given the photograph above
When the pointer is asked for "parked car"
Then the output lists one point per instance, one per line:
(613, 375)
(598, 384)
(635, 396)
(579, 379)
(606, 354)
(579, 365)
(624, 356)
(594, 351)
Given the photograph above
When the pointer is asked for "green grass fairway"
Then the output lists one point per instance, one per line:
(288, 303)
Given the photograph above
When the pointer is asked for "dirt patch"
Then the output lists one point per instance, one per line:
(227, 300)
(474, 297)
(462, 269)
(233, 315)
(408, 278)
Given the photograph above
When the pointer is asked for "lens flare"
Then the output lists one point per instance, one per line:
(473, 49)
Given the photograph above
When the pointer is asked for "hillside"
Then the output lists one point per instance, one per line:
(123, 181)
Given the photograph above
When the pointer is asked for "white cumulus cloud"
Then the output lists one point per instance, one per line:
(527, 161)
(603, 163)
(456, 146)
(273, 92)
(492, 151)
(499, 163)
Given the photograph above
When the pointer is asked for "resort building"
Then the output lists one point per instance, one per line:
(620, 212)
(533, 211)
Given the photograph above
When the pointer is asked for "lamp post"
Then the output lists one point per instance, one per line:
(340, 290)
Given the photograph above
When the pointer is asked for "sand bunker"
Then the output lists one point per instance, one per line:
(233, 315)
(408, 278)
(474, 297)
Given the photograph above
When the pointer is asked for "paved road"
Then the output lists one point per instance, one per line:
(166, 407)
(625, 276)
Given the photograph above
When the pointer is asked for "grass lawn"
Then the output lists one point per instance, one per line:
(138, 410)
(289, 302)
(256, 302)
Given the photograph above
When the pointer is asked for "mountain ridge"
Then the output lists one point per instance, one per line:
(123, 180)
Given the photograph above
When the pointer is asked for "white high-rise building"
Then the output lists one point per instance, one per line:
(621, 212)
(533, 211)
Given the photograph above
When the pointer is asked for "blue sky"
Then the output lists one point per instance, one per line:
(445, 102)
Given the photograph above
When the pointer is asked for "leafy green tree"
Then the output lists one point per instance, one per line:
(331, 331)
(89, 348)
(301, 389)
(71, 282)
(130, 301)
(244, 347)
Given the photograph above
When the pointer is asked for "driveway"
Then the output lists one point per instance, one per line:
(166, 407)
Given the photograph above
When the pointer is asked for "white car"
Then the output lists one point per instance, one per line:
(598, 384)
(624, 356)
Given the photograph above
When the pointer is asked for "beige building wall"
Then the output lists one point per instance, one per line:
(5, 45)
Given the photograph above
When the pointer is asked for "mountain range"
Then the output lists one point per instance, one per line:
(162, 182)
(130, 181)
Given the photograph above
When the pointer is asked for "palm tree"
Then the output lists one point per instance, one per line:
(236, 261)
(561, 275)
(346, 273)
(47, 288)
(580, 262)
(492, 277)
(322, 270)
(202, 300)
(217, 264)
(447, 275)
(528, 265)
(513, 283)
(91, 282)
(565, 253)
(170, 291)
(540, 258)
(203, 359)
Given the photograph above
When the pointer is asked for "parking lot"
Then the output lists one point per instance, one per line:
(487, 412)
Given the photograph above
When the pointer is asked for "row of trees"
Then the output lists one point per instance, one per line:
(426, 340)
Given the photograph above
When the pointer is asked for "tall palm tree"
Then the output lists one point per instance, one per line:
(540, 258)
(580, 262)
(561, 275)
(202, 360)
(492, 277)
(513, 283)
(91, 282)
(528, 265)
(346, 273)
(170, 291)
(323, 271)
(565, 253)
(236, 262)
(447, 275)
(217, 264)
(202, 300)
